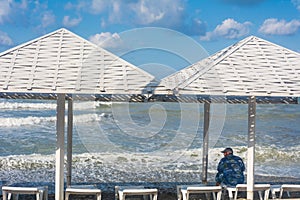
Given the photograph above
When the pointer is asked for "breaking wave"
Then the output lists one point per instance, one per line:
(31, 120)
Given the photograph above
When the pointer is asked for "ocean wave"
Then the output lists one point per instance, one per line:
(79, 105)
(88, 118)
(37, 106)
(31, 120)
(27, 162)
(17, 122)
(109, 167)
(180, 161)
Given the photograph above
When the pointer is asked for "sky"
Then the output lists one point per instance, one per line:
(213, 24)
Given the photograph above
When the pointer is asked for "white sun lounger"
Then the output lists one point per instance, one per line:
(122, 192)
(275, 189)
(40, 192)
(243, 187)
(288, 188)
(83, 190)
(185, 191)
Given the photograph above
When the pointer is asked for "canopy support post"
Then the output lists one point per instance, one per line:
(251, 147)
(69, 142)
(205, 142)
(60, 132)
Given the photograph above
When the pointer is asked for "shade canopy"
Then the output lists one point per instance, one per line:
(62, 62)
(251, 67)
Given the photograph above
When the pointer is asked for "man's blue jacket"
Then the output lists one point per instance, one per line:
(230, 170)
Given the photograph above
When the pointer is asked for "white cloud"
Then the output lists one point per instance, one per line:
(229, 29)
(48, 18)
(142, 12)
(148, 12)
(297, 4)
(165, 13)
(80, 5)
(4, 10)
(5, 39)
(26, 13)
(279, 27)
(105, 39)
(99, 6)
(68, 22)
(11, 7)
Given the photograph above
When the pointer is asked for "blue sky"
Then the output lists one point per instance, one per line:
(214, 24)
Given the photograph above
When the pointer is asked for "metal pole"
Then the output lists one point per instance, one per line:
(205, 142)
(69, 142)
(60, 132)
(251, 147)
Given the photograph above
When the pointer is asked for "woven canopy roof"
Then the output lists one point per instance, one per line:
(251, 67)
(62, 62)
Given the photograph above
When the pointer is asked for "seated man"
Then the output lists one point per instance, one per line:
(230, 169)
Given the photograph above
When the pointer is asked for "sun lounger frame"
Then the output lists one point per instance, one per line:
(184, 191)
(288, 188)
(243, 187)
(40, 192)
(83, 190)
(122, 191)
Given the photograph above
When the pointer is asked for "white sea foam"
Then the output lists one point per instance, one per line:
(38, 106)
(49, 105)
(112, 167)
(83, 105)
(14, 122)
(87, 118)
(31, 120)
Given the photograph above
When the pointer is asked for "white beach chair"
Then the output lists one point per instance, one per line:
(275, 189)
(40, 192)
(83, 190)
(231, 191)
(288, 188)
(122, 191)
(257, 187)
(185, 191)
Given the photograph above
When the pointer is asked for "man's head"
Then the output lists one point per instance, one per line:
(227, 151)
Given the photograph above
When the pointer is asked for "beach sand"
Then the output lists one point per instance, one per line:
(168, 190)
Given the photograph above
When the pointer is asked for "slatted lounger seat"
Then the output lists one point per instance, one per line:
(83, 190)
(187, 190)
(288, 188)
(257, 187)
(40, 192)
(122, 192)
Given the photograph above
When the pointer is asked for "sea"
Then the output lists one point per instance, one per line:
(143, 142)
